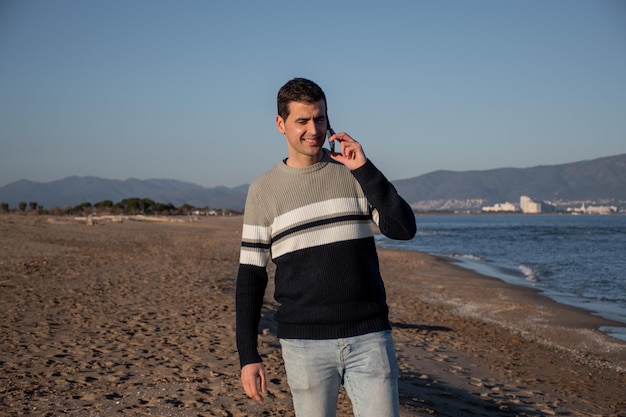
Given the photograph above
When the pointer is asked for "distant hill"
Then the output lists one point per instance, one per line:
(600, 180)
(72, 191)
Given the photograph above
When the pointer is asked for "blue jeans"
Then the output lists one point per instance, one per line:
(366, 366)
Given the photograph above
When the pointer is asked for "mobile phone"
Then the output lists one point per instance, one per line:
(332, 144)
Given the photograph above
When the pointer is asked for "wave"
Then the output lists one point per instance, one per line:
(468, 257)
(529, 273)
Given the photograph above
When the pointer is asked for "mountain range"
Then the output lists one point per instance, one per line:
(601, 180)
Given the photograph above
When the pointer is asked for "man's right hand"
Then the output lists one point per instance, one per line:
(250, 374)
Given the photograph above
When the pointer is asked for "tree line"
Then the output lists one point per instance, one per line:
(127, 206)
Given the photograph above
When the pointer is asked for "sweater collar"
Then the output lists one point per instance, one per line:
(312, 168)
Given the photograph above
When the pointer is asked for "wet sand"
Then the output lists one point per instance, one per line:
(137, 318)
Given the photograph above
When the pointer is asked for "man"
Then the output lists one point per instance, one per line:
(311, 214)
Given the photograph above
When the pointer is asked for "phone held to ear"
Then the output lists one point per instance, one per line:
(332, 144)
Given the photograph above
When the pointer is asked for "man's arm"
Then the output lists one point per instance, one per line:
(250, 289)
(251, 276)
(396, 219)
(251, 284)
(249, 293)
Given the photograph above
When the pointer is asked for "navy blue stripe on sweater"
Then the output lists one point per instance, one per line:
(323, 222)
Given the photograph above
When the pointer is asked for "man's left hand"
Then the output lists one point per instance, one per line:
(352, 155)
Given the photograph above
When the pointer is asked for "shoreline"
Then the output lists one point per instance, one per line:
(137, 318)
(590, 283)
(615, 327)
(518, 334)
(562, 322)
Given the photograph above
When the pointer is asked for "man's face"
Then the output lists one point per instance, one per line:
(305, 131)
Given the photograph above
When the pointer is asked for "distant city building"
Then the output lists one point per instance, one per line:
(448, 205)
(530, 206)
(501, 207)
(593, 209)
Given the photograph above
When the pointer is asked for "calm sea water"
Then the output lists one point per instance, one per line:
(576, 260)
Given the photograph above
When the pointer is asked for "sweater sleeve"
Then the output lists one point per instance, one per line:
(252, 278)
(251, 284)
(396, 219)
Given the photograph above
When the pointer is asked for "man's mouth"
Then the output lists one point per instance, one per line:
(311, 141)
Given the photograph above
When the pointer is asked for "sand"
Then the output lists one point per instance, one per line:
(130, 318)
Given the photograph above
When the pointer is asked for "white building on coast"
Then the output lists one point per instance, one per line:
(500, 208)
(530, 206)
(593, 210)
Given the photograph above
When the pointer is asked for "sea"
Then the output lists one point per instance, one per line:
(579, 260)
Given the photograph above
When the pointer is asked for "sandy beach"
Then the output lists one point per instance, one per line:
(129, 317)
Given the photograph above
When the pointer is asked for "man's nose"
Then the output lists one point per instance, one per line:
(313, 128)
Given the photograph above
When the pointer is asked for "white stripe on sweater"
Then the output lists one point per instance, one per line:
(253, 256)
(256, 234)
(322, 236)
(323, 210)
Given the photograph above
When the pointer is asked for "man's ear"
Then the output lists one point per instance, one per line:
(280, 124)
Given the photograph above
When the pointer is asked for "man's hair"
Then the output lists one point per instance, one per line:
(300, 90)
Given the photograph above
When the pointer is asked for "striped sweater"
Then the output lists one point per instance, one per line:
(314, 223)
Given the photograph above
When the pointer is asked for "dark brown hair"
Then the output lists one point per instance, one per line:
(300, 90)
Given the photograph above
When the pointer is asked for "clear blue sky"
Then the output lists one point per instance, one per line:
(186, 89)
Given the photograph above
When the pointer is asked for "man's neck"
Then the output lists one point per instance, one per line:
(303, 161)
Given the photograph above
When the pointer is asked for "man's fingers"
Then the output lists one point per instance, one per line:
(252, 392)
(263, 383)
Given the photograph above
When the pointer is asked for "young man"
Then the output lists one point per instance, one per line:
(311, 214)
